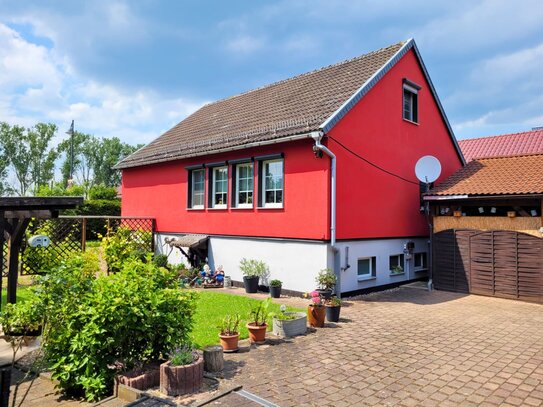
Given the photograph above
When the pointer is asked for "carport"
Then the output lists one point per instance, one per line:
(488, 228)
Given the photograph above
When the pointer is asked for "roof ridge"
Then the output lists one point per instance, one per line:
(269, 85)
(501, 135)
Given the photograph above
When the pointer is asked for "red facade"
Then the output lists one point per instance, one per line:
(370, 203)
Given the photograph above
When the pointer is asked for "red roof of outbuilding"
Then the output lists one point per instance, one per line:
(496, 176)
(528, 142)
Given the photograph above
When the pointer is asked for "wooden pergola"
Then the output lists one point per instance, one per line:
(15, 215)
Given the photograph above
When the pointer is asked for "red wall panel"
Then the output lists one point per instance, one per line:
(371, 203)
(160, 191)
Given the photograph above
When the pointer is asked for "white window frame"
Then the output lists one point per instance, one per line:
(412, 90)
(401, 262)
(192, 191)
(251, 182)
(215, 170)
(373, 271)
(424, 258)
(263, 184)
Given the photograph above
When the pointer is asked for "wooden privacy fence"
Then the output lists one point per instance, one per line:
(70, 234)
(499, 263)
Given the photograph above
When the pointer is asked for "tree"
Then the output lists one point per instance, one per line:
(111, 152)
(42, 167)
(4, 162)
(29, 155)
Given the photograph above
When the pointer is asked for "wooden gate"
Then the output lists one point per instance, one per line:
(498, 263)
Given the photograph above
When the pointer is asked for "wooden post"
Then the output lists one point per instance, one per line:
(17, 234)
(213, 359)
(2, 242)
(83, 234)
(5, 384)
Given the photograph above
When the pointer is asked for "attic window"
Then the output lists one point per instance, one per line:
(410, 101)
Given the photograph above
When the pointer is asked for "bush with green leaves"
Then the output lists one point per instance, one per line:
(123, 245)
(253, 268)
(95, 324)
(160, 260)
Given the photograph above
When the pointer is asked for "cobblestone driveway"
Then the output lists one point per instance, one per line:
(406, 347)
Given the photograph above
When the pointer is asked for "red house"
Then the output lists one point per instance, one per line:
(310, 172)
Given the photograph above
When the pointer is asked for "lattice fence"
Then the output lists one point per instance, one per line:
(69, 235)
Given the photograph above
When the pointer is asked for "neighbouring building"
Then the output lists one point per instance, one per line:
(526, 142)
(310, 172)
(488, 227)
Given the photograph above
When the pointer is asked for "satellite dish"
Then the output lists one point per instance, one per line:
(428, 169)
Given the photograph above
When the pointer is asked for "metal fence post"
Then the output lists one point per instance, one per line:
(83, 234)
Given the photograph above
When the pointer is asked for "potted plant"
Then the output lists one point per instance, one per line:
(252, 271)
(289, 324)
(315, 311)
(333, 308)
(229, 333)
(275, 288)
(257, 324)
(396, 270)
(326, 280)
(22, 320)
(183, 373)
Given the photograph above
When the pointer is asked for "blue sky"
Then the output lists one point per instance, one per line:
(135, 68)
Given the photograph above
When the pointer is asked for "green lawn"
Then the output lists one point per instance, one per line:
(213, 306)
(23, 293)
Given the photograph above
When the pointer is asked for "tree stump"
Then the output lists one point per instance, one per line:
(213, 359)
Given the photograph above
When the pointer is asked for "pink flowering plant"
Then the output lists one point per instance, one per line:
(315, 299)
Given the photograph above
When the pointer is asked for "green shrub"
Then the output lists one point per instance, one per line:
(160, 260)
(122, 245)
(98, 323)
(253, 268)
(103, 192)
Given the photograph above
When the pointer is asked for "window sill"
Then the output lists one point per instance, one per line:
(248, 208)
(412, 122)
(397, 274)
(366, 278)
(421, 270)
(271, 207)
(218, 209)
(196, 209)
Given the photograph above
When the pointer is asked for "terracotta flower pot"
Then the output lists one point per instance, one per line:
(229, 343)
(179, 380)
(316, 315)
(257, 333)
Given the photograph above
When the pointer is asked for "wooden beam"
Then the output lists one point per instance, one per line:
(40, 214)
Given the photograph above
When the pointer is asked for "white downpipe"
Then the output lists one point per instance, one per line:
(317, 136)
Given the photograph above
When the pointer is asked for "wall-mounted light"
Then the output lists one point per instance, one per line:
(493, 210)
(511, 214)
(481, 209)
(533, 212)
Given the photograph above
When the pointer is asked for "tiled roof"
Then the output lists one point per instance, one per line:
(496, 176)
(293, 106)
(528, 142)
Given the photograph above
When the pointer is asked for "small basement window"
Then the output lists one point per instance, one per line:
(420, 261)
(196, 189)
(366, 268)
(396, 264)
(410, 101)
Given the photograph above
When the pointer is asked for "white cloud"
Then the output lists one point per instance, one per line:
(36, 85)
(245, 44)
(471, 26)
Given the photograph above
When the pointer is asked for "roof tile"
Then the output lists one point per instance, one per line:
(496, 176)
(292, 106)
(528, 142)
